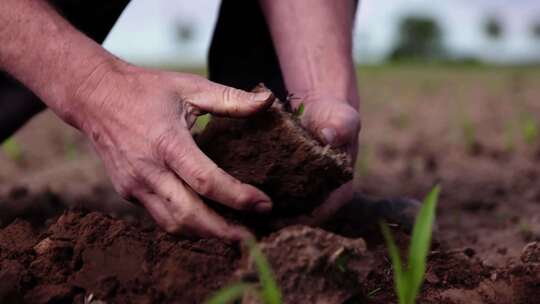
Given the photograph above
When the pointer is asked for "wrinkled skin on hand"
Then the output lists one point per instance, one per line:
(139, 122)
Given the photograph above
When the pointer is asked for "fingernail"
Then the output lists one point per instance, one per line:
(262, 97)
(328, 135)
(263, 207)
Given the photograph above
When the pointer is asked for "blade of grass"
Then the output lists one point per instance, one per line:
(270, 292)
(230, 293)
(400, 279)
(299, 111)
(421, 242)
(408, 281)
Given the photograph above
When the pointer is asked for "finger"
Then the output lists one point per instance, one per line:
(227, 101)
(206, 222)
(207, 179)
(156, 207)
(334, 123)
(182, 211)
(335, 201)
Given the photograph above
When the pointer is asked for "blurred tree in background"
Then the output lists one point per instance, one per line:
(185, 32)
(493, 28)
(420, 38)
(535, 30)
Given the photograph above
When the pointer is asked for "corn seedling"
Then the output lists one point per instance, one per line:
(12, 149)
(201, 122)
(268, 291)
(299, 111)
(408, 279)
(530, 129)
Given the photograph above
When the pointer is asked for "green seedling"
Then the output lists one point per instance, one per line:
(299, 111)
(268, 292)
(201, 122)
(530, 129)
(408, 279)
(230, 294)
(12, 149)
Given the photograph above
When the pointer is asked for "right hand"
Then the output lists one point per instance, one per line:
(139, 122)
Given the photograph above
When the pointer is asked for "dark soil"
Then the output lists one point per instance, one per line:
(485, 247)
(274, 153)
(83, 254)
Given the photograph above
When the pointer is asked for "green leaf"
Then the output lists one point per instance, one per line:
(408, 281)
(229, 294)
(421, 242)
(299, 111)
(400, 279)
(270, 292)
(530, 130)
(12, 149)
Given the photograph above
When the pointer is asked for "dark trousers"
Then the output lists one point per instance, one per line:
(241, 54)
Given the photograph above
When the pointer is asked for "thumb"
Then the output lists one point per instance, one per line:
(227, 101)
(334, 123)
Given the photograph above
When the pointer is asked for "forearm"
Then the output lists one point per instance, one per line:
(48, 55)
(313, 40)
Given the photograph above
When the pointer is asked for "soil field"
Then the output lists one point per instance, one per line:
(472, 130)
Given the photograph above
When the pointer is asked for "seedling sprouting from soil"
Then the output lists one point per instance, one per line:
(12, 149)
(299, 111)
(408, 278)
(530, 129)
(200, 123)
(231, 293)
(268, 291)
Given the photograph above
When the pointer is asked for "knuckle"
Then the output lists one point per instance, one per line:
(230, 98)
(203, 183)
(172, 227)
(179, 222)
(126, 189)
(166, 143)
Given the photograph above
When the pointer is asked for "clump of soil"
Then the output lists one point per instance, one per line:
(314, 266)
(273, 152)
(81, 255)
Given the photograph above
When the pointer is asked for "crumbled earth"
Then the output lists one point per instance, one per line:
(414, 136)
(314, 266)
(273, 152)
(83, 254)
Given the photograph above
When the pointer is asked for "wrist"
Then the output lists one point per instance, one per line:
(87, 94)
(339, 90)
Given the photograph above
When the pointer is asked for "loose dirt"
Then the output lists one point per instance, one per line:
(485, 247)
(273, 152)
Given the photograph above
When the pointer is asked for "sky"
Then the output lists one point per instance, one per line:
(147, 31)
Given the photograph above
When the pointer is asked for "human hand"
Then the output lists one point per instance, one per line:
(337, 123)
(139, 122)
